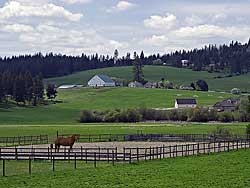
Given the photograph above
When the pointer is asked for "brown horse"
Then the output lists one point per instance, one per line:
(61, 141)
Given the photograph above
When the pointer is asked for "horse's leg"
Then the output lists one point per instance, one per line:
(58, 147)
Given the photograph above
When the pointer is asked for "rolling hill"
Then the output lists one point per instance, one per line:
(154, 73)
(73, 101)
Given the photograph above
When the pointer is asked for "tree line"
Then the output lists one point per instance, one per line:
(232, 58)
(21, 87)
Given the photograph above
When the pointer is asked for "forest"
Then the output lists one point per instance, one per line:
(232, 59)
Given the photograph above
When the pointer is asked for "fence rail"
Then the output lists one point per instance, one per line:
(24, 140)
(45, 139)
(159, 137)
(113, 155)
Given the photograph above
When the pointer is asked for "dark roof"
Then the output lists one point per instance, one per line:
(105, 78)
(186, 101)
(227, 103)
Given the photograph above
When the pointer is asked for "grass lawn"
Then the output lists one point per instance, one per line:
(73, 101)
(155, 73)
(21, 130)
(222, 170)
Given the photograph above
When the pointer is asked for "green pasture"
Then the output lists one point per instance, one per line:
(73, 101)
(178, 76)
(228, 169)
(22, 130)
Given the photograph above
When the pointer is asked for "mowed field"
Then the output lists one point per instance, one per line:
(154, 73)
(229, 169)
(73, 101)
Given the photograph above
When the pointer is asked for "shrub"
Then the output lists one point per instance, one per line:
(87, 116)
(198, 114)
(222, 132)
(226, 117)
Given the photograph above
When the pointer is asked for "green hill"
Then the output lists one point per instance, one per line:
(155, 73)
(73, 101)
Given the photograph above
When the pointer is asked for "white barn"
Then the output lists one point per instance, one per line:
(101, 81)
(185, 103)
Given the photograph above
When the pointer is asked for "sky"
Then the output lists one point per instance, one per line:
(74, 27)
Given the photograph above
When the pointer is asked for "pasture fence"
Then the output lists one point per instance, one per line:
(158, 137)
(24, 140)
(115, 155)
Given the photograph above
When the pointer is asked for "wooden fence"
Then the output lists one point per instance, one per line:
(115, 155)
(158, 137)
(24, 140)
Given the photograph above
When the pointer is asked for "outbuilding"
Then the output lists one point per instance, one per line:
(185, 103)
(101, 81)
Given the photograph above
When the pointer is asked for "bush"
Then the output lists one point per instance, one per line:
(222, 133)
(198, 114)
(226, 117)
(88, 116)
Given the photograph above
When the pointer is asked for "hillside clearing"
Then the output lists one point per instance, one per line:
(154, 73)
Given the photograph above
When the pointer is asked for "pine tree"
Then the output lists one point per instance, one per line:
(1, 89)
(51, 91)
(137, 69)
(28, 86)
(38, 90)
(19, 89)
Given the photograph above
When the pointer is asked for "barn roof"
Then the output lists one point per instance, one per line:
(105, 78)
(186, 101)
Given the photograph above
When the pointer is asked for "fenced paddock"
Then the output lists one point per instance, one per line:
(96, 156)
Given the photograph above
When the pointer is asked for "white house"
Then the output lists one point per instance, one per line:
(135, 84)
(185, 103)
(101, 81)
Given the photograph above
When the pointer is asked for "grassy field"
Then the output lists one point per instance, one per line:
(155, 73)
(222, 170)
(15, 130)
(73, 101)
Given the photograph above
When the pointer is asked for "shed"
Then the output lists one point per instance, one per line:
(101, 81)
(185, 103)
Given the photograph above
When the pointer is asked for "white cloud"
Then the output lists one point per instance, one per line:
(17, 28)
(16, 9)
(194, 20)
(160, 22)
(76, 1)
(121, 6)
(156, 40)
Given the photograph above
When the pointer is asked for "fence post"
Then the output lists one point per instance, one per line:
(75, 160)
(113, 158)
(163, 152)
(86, 156)
(198, 149)
(124, 155)
(228, 146)
(53, 164)
(29, 165)
(16, 157)
(170, 151)
(137, 154)
(3, 167)
(237, 145)
(108, 154)
(0, 153)
(150, 153)
(130, 156)
(81, 152)
(95, 159)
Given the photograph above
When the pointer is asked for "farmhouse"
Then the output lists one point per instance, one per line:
(185, 103)
(228, 105)
(101, 81)
(135, 84)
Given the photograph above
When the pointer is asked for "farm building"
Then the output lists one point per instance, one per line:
(135, 84)
(228, 105)
(185, 103)
(101, 81)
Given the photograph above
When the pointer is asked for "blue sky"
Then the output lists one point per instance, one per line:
(101, 26)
